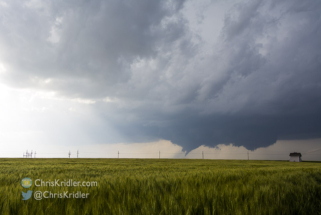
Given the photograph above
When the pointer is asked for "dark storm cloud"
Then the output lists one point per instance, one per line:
(260, 82)
(83, 43)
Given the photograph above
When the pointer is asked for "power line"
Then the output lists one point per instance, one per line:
(30, 154)
(314, 150)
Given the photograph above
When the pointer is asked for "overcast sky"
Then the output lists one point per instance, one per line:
(176, 76)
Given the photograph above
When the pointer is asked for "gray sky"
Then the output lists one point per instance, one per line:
(188, 73)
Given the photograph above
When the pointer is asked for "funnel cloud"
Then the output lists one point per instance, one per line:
(192, 72)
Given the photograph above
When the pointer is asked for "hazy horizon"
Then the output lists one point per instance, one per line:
(177, 76)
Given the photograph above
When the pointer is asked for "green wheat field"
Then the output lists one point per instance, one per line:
(165, 186)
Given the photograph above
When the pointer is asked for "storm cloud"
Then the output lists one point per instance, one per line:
(159, 70)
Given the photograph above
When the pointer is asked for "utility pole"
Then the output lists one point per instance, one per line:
(118, 154)
(77, 153)
(248, 156)
(203, 154)
(69, 154)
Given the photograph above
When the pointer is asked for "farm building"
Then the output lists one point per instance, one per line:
(295, 156)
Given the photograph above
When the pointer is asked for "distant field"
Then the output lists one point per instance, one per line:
(146, 186)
